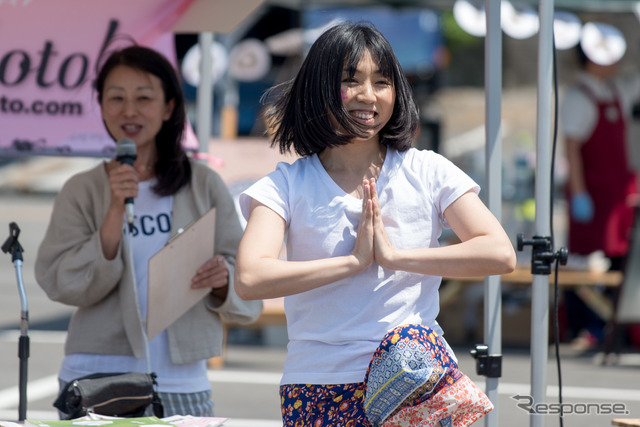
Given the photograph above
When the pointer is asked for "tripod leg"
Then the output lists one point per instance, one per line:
(23, 353)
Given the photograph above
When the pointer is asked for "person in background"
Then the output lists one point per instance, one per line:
(85, 261)
(361, 213)
(602, 186)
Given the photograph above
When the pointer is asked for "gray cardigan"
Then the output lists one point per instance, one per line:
(71, 268)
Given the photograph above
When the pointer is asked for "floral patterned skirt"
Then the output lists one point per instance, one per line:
(307, 405)
(411, 381)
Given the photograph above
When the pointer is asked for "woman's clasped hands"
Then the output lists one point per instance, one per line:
(372, 242)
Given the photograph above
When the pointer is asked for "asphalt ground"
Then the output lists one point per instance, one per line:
(245, 389)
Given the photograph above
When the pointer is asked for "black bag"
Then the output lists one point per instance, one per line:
(125, 394)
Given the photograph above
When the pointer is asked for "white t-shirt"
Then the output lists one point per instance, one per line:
(334, 330)
(578, 113)
(152, 227)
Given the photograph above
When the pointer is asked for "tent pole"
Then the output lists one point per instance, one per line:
(493, 173)
(540, 291)
(204, 93)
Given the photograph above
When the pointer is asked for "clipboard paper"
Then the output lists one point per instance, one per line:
(171, 270)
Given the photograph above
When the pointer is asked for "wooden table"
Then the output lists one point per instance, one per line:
(583, 281)
(566, 278)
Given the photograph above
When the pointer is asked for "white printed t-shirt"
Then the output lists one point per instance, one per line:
(334, 329)
(151, 230)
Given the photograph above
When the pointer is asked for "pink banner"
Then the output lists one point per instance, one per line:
(48, 54)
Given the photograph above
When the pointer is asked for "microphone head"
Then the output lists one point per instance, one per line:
(125, 147)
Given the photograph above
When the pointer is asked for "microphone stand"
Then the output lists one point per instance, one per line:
(12, 244)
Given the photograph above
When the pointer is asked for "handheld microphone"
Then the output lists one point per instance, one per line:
(126, 154)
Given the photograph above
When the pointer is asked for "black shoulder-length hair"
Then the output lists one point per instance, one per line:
(300, 116)
(172, 167)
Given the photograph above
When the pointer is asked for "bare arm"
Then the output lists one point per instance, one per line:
(484, 249)
(576, 172)
(261, 274)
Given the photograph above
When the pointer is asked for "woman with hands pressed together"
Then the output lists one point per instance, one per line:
(360, 214)
(85, 260)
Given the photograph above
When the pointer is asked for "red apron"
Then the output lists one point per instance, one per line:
(609, 182)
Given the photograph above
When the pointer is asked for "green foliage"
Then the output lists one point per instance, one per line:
(456, 37)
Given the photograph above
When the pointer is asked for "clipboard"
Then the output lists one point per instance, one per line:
(171, 270)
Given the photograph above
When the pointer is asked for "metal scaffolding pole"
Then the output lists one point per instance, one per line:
(540, 290)
(204, 94)
(493, 173)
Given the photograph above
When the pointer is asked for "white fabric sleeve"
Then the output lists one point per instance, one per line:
(451, 182)
(578, 115)
(272, 191)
